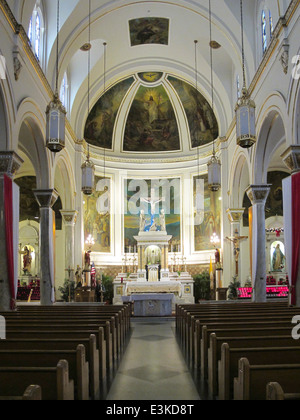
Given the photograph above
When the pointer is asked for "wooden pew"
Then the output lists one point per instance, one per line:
(193, 332)
(78, 367)
(280, 351)
(97, 389)
(32, 393)
(105, 362)
(252, 380)
(53, 381)
(215, 307)
(13, 324)
(202, 344)
(103, 340)
(276, 393)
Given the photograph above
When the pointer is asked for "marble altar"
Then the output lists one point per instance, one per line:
(152, 304)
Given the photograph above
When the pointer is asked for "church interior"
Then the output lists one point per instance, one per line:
(149, 200)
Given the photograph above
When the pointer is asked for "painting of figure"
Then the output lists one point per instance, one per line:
(149, 31)
(207, 216)
(202, 121)
(167, 196)
(97, 215)
(99, 126)
(151, 125)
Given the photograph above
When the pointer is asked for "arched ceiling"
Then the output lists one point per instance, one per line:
(187, 20)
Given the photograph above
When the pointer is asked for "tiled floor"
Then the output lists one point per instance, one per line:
(152, 367)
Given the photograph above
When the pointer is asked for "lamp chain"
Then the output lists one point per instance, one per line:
(57, 43)
(243, 52)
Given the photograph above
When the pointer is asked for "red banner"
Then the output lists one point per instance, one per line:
(296, 233)
(8, 210)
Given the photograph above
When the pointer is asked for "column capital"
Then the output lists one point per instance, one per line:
(69, 217)
(46, 198)
(291, 158)
(235, 215)
(10, 163)
(258, 194)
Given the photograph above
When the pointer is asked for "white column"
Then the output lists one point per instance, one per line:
(235, 217)
(258, 195)
(46, 199)
(69, 218)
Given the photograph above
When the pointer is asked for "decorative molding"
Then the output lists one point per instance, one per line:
(10, 163)
(258, 194)
(46, 198)
(235, 215)
(69, 216)
(291, 158)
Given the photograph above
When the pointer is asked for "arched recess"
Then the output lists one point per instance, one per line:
(4, 141)
(239, 179)
(31, 141)
(271, 139)
(64, 180)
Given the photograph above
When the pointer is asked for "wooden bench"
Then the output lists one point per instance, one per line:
(189, 326)
(105, 362)
(280, 351)
(103, 335)
(71, 323)
(276, 393)
(32, 393)
(194, 333)
(97, 386)
(78, 366)
(54, 382)
(202, 343)
(252, 380)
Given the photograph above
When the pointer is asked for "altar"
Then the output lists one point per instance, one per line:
(153, 275)
(152, 304)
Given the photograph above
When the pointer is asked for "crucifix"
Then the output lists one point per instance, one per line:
(152, 201)
(236, 248)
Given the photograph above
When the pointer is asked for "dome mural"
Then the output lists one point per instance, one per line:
(151, 123)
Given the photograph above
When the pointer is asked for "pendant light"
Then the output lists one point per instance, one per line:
(214, 164)
(245, 107)
(88, 167)
(56, 112)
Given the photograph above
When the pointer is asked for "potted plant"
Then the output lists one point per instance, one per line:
(108, 288)
(202, 286)
(233, 288)
(67, 289)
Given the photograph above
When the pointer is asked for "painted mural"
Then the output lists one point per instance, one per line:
(29, 208)
(166, 191)
(149, 31)
(207, 214)
(97, 216)
(151, 124)
(202, 121)
(99, 126)
(274, 203)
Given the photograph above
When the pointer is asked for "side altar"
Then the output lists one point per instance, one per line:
(153, 275)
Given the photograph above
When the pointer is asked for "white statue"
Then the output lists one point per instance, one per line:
(142, 221)
(162, 220)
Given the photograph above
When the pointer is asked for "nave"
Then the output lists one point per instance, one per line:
(153, 367)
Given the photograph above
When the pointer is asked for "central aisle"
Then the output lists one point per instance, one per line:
(152, 367)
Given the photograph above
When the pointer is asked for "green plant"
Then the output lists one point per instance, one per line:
(202, 286)
(233, 288)
(67, 288)
(107, 283)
